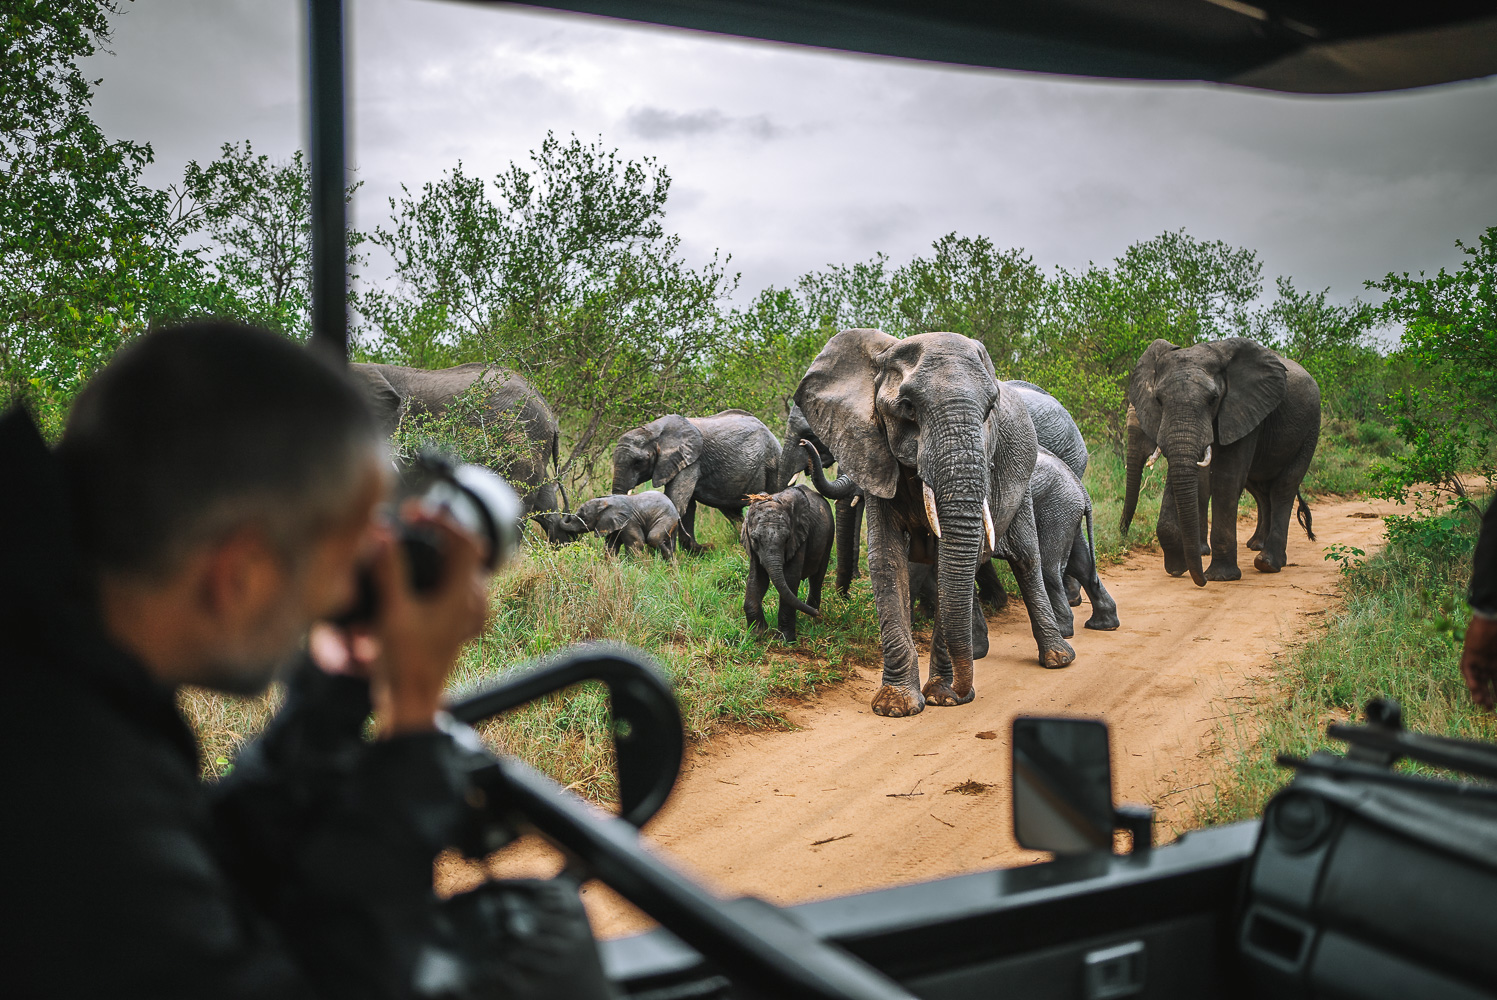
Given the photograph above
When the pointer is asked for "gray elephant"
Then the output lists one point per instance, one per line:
(941, 453)
(1228, 415)
(629, 522)
(511, 406)
(1062, 509)
(788, 538)
(1055, 430)
(849, 508)
(717, 461)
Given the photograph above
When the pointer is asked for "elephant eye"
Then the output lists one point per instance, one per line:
(905, 408)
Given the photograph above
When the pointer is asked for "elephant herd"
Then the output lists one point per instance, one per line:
(950, 467)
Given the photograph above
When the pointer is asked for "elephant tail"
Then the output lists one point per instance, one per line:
(565, 503)
(1303, 515)
(1091, 535)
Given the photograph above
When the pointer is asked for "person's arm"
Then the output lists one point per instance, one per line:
(334, 836)
(1479, 654)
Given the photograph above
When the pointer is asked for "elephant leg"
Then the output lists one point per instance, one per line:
(785, 619)
(682, 493)
(1203, 501)
(813, 588)
(1275, 554)
(1055, 592)
(979, 628)
(1282, 494)
(941, 670)
(661, 539)
(753, 595)
(990, 587)
(1260, 530)
(1083, 567)
(1226, 492)
(611, 542)
(1021, 547)
(1073, 590)
(889, 571)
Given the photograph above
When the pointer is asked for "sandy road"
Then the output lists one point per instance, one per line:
(850, 801)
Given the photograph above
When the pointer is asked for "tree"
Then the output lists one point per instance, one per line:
(1331, 342)
(1450, 334)
(258, 216)
(561, 270)
(968, 286)
(1096, 322)
(89, 256)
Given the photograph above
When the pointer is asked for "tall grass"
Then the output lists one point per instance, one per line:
(1383, 642)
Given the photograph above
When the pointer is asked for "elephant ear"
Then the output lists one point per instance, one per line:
(1256, 382)
(385, 402)
(613, 516)
(1141, 386)
(678, 444)
(836, 395)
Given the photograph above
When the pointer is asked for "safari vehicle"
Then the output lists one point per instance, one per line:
(1358, 882)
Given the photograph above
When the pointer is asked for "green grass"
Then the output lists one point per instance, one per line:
(1385, 641)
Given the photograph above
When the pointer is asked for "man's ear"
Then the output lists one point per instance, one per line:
(239, 576)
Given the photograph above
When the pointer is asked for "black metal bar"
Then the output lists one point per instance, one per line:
(1478, 759)
(755, 945)
(329, 184)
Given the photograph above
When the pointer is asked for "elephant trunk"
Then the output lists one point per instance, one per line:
(843, 489)
(848, 518)
(960, 547)
(1185, 484)
(623, 481)
(774, 564)
(1139, 446)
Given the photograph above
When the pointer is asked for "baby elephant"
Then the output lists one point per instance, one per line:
(1063, 520)
(632, 522)
(788, 537)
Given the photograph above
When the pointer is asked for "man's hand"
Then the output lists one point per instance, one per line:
(1479, 661)
(419, 635)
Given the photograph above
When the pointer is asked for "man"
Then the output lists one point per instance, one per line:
(210, 500)
(1479, 657)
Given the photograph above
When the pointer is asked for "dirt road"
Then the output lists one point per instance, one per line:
(851, 801)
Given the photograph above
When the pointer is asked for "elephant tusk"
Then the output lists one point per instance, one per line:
(1153, 458)
(1206, 462)
(930, 509)
(987, 523)
(854, 502)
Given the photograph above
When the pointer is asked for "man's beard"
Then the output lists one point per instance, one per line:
(266, 654)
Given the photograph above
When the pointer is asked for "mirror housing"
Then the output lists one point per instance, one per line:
(1062, 787)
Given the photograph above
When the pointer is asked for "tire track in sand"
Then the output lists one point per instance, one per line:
(850, 801)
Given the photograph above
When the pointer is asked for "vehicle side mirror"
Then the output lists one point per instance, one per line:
(1062, 782)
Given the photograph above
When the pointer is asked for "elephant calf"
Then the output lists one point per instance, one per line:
(632, 522)
(788, 537)
(1062, 509)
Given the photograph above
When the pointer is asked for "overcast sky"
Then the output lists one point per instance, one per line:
(792, 158)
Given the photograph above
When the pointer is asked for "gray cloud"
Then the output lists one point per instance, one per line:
(660, 123)
(868, 154)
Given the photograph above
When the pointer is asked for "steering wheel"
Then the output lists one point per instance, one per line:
(757, 946)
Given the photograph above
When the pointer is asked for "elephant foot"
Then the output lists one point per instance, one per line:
(1174, 572)
(1057, 657)
(938, 691)
(1256, 544)
(784, 636)
(1067, 629)
(1074, 602)
(1217, 572)
(896, 702)
(1103, 623)
(1073, 592)
(1264, 563)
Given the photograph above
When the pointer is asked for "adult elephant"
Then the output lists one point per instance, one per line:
(1054, 429)
(1228, 415)
(941, 453)
(717, 461)
(508, 403)
(849, 506)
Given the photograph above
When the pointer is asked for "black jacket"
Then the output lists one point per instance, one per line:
(1483, 593)
(306, 873)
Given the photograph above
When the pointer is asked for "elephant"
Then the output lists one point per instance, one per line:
(788, 538)
(1228, 415)
(631, 522)
(513, 404)
(1062, 508)
(849, 509)
(944, 455)
(717, 460)
(1055, 430)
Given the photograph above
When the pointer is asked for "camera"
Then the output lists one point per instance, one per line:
(479, 501)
